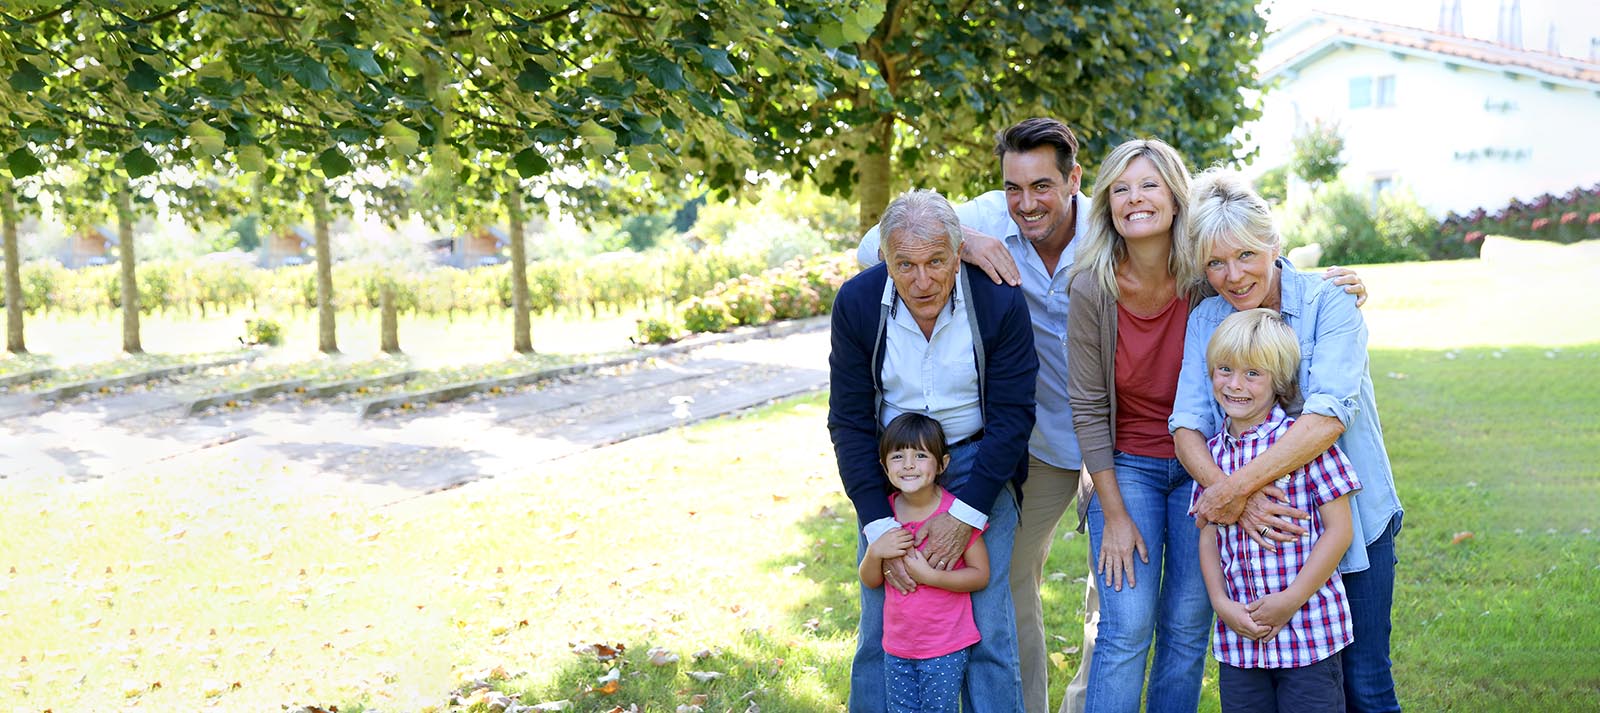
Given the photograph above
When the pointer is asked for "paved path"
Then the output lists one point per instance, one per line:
(439, 447)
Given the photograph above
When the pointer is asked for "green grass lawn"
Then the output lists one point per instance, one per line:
(728, 546)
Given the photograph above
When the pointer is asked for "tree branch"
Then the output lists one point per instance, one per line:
(540, 20)
(47, 14)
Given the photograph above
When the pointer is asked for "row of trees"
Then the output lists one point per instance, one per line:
(461, 110)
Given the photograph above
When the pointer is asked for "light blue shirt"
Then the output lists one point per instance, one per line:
(1335, 380)
(1053, 440)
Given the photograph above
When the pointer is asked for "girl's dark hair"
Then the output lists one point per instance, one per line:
(912, 430)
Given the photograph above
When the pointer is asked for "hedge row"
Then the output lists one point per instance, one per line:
(798, 288)
(605, 283)
(1566, 218)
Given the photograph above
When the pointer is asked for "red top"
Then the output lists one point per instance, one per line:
(929, 622)
(1148, 359)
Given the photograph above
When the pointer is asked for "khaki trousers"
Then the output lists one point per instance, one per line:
(1045, 498)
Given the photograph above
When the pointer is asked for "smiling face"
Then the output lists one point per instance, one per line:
(1245, 276)
(1244, 392)
(912, 470)
(1038, 196)
(924, 272)
(1141, 203)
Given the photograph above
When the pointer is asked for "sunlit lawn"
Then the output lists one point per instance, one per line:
(733, 539)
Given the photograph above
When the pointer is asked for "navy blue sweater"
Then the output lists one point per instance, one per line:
(855, 366)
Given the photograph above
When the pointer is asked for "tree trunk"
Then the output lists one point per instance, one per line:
(521, 330)
(326, 340)
(875, 172)
(130, 283)
(389, 321)
(14, 298)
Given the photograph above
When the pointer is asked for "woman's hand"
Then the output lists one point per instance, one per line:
(1269, 519)
(1118, 544)
(1274, 612)
(1348, 279)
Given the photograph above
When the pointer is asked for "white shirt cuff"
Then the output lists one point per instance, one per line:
(876, 528)
(968, 514)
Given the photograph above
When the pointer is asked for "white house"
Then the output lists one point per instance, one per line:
(1463, 122)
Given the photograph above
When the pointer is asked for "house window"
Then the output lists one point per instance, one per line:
(1384, 96)
(1380, 184)
(1371, 91)
(1360, 92)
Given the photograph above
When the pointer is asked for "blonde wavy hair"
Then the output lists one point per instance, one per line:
(1103, 248)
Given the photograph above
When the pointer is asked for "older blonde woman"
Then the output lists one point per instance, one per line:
(1237, 250)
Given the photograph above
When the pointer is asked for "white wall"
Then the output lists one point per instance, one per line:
(1439, 113)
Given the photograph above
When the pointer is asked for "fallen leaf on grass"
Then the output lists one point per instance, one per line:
(811, 624)
(705, 676)
(1460, 538)
(686, 708)
(698, 699)
(705, 653)
(661, 657)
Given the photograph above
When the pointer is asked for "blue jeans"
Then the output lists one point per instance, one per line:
(925, 685)
(1368, 680)
(994, 676)
(1169, 603)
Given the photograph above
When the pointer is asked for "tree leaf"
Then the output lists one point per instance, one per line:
(530, 163)
(363, 61)
(23, 163)
(533, 78)
(602, 139)
(333, 164)
(400, 137)
(208, 139)
(251, 158)
(143, 78)
(661, 71)
(27, 78)
(139, 164)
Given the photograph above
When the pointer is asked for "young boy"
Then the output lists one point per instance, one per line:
(1282, 616)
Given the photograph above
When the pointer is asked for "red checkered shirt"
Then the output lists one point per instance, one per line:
(1322, 626)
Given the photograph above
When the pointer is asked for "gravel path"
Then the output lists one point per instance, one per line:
(435, 448)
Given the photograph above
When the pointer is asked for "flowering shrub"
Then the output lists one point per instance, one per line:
(1567, 218)
(799, 288)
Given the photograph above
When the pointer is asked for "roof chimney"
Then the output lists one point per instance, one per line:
(1515, 25)
(1444, 16)
(1500, 25)
(1553, 43)
(1455, 19)
(1594, 49)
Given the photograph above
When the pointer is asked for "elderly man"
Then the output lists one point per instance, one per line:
(1025, 235)
(915, 334)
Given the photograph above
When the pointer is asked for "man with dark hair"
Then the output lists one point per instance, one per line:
(916, 335)
(1035, 218)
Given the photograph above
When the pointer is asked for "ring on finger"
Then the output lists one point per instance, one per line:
(1264, 529)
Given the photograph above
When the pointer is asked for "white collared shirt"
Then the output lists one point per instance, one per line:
(936, 376)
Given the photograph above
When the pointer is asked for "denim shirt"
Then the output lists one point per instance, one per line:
(1335, 380)
(1053, 440)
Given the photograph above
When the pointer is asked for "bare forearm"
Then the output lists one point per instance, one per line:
(966, 579)
(1211, 567)
(1105, 488)
(1310, 436)
(1195, 456)
(871, 571)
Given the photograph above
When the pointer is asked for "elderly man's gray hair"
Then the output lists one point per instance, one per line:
(920, 215)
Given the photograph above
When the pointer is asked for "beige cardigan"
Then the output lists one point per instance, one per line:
(1091, 369)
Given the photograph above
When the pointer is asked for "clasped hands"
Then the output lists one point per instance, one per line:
(905, 566)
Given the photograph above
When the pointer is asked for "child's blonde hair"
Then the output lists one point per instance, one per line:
(1260, 339)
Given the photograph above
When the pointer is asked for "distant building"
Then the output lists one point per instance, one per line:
(290, 246)
(1464, 123)
(484, 246)
(90, 247)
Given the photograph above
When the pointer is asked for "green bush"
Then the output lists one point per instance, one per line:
(262, 331)
(656, 330)
(1351, 232)
(706, 314)
(1273, 185)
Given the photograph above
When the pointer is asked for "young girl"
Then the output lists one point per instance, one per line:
(926, 632)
